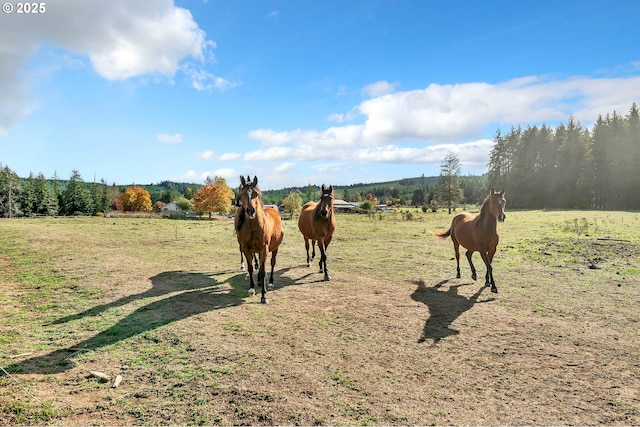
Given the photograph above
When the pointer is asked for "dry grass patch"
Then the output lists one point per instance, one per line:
(392, 339)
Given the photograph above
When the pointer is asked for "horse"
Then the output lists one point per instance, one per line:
(317, 222)
(259, 231)
(239, 220)
(478, 233)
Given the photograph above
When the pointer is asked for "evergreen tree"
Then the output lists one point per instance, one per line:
(631, 164)
(10, 190)
(75, 198)
(449, 190)
(28, 200)
(47, 202)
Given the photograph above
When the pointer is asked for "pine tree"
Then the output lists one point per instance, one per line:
(449, 191)
(10, 190)
(75, 198)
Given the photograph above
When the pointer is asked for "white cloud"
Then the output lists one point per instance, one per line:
(203, 80)
(169, 139)
(227, 173)
(420, 126)
(456, 113)
(380, 88)
(121, 39)
(210, 155)
(285, 167)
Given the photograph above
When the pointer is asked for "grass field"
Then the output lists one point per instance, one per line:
(392, 339)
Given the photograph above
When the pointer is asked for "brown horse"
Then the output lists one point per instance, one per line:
(259, 231)
(478, 233)
(239, 219)
(317, 222)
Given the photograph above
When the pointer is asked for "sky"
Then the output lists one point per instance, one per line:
(299, 92)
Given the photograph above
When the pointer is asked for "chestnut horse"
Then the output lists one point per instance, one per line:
(239, 220)
(259, 231)
(317, 222)
(478, 233)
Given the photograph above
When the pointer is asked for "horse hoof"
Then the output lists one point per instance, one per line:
(263, 300)
(494, 290)
(308, 264)
(474, 277)
(327, 277)
(458, 276)
(270, 286)
(252, 292)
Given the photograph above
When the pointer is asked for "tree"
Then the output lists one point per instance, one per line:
(28, 200)
(75, 198)
(212, 198)
(184, 204)
(9, 193)
(418, 197)
(136, 199)
(449, 190)
(292, 203)
(311, 192)
(47, 201)
(222, 182)
(169, 195)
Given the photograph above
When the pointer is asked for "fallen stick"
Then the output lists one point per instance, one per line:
(117, 381)
(102, 376)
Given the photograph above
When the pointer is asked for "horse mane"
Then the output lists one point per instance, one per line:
(485, 207)
(239, 219)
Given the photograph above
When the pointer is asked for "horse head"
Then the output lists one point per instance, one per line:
(497, 204)
(249, 196)
(326, 201)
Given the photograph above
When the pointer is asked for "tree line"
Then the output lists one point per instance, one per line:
(570, 166)
(39, 196)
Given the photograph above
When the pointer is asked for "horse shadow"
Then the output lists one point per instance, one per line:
(185, 294)
(444, 308)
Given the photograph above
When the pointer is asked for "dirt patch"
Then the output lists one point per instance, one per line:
(382, 343)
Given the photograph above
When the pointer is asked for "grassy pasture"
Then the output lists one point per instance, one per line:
(392, 339)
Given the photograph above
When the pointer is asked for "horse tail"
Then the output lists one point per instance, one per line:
(443, 234)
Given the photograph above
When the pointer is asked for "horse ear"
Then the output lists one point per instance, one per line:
(255, 180)
(322, 188)
(502, 191)
(331, 188)
(492, 191)
(242, 181)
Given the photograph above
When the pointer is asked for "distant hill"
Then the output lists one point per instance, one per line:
(399, 191)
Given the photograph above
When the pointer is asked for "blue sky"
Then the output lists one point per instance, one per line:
(298, 92)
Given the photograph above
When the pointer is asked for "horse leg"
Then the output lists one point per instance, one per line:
(255, 261)
(323, 260)
(469, 254)
(274, 254)
(313, 248)
(306, 246)
(489, 282)
(252, 290)
(262, 274)
(241, 259)
(456, 248)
